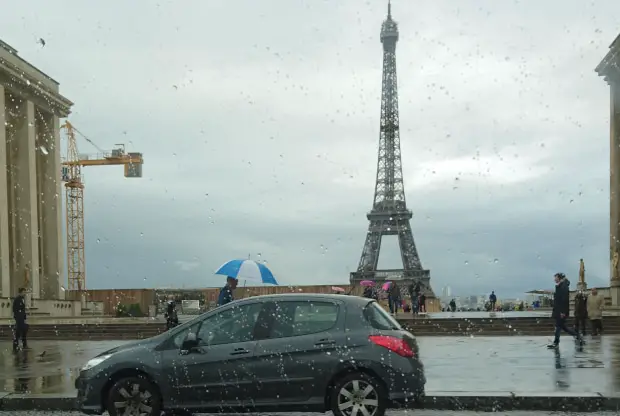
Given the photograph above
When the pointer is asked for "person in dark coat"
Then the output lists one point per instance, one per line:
(492, 301)
(422, 303)
(368, 292)
(226, 294)
(561, 310)
(581, 312)
(172, 317)
(20, 329)
(414, 298)
(394, 298)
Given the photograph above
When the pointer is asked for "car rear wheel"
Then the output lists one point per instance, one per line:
(134, 396)
(358, 394)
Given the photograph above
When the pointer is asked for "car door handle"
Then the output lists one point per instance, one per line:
(239, 351)
(324, 342)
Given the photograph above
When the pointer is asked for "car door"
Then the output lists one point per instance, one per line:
(217, 372)
(290, 352)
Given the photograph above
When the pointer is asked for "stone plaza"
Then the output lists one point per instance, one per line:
(460, 371)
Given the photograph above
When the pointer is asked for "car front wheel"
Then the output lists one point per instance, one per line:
(134, 396)
(358, 394)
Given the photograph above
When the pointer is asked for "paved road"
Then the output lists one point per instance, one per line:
(396, 413)
(521, 365)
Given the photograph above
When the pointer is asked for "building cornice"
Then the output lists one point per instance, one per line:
(609, 67)
(22, 84)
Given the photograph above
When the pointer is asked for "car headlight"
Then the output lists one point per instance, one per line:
(95, 362)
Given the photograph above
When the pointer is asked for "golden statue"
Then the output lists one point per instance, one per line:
(614, 266)
(582, 271)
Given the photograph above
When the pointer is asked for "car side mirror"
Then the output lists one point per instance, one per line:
(190, 344)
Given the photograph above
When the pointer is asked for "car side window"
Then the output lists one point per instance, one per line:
(296, 318)
(178, 339)
(231, 325)
(379, 318)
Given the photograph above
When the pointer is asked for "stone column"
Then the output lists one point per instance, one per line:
(24, 209)
(49, 203)
(60, 241)
(614, 172)
(5, 263)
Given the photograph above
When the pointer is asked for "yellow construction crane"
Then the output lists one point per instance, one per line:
(74, 191)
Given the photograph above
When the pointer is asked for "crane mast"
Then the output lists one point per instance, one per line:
(74, 193)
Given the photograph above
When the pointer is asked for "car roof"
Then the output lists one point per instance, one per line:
(348, 299)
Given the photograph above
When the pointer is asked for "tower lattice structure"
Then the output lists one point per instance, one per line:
(389, 214)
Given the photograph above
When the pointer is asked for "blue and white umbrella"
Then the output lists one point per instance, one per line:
(247, 270)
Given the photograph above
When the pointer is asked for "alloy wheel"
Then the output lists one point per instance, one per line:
(133, 401)
(358, 398)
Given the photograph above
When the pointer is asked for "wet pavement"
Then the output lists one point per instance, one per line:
(478, 315)
(521, 365)
(388, 413)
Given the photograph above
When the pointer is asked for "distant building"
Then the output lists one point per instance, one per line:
(446, 292)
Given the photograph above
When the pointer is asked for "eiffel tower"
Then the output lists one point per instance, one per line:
(389, 214)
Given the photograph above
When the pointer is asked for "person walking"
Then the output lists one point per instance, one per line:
(226, 293)
(581, 312)
(20, 329)
(596, 303)
(561, 310)
(412, 296)
(396, 298)
(492, 301)
(422, 303)
(172, 317)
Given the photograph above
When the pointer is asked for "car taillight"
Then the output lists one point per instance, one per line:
(394, 344)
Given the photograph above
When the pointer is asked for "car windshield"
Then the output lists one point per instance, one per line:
(379, 318)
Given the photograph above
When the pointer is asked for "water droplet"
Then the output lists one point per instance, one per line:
(495, 261)
(466, 262)
(98, 240)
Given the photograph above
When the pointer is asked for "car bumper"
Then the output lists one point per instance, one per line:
(407, 387)
(89, 400)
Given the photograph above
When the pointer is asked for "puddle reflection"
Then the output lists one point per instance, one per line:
(49, 367)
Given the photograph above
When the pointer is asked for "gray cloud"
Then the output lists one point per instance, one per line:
(259, 120)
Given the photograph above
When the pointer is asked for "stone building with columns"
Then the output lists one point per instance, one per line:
(31, 243)
(609, 68)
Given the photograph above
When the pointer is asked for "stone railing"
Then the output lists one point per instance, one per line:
(53, 308)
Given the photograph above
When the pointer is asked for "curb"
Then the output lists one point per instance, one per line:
(41, 402)
(450, 401)
(507, 401)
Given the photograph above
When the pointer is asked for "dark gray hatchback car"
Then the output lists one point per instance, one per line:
(298, 352)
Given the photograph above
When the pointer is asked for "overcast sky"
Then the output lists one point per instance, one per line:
(259, 121)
